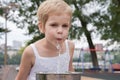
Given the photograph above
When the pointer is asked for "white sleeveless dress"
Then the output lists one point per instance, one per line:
(49, 64)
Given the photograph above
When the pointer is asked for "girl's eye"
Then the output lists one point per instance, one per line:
(65, 25)
(53, 25)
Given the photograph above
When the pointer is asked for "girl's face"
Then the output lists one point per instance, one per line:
(57, 27)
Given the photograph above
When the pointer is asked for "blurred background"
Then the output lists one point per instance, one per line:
(95, 32)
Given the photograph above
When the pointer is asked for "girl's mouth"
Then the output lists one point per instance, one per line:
(59, 39)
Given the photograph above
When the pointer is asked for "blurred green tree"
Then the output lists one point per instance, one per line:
(1, 58)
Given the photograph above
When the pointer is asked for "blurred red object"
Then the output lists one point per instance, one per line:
(116, 66)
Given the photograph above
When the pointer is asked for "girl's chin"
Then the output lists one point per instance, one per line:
(60, 41)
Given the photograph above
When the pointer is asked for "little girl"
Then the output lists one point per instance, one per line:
(54, 52)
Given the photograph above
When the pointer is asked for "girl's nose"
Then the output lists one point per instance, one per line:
(60, 30)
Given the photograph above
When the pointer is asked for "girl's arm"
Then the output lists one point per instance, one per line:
(71, 49)
(26, 64)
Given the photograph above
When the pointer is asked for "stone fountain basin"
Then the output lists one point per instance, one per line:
(58, 76)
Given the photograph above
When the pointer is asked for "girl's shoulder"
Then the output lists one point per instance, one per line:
(28, 52)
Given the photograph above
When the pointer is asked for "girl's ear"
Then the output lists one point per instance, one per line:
(41, 27)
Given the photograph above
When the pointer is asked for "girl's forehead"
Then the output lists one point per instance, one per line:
(59, 16)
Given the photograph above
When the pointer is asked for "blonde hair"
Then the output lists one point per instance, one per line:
(52, 6)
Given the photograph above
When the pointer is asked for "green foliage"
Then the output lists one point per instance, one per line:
(114, 22)
(87, 58)
(21, 50)
(2, 30)
(35, 38)
(1, 59)
(75, 32)
(1, 11)
(15, 59)
(116, 58)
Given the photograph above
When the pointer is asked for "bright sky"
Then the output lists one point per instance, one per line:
(15, 34)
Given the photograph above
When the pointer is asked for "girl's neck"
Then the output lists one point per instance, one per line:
(48, 44)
